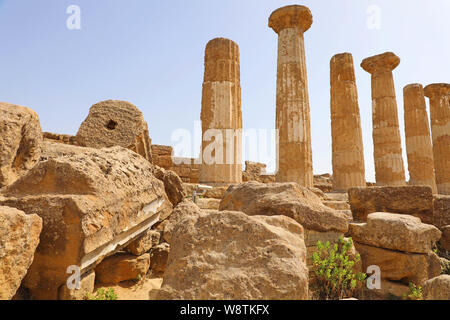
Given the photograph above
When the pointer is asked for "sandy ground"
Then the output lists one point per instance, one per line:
(147, 289)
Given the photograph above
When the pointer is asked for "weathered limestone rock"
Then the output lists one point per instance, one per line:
(396, 232)
(437, 288)
(144, 243)
(253, 171)
(323, 182)
(87, 286)
(445, 239)
(348, 151)
(20, 141)
(172, 184)
(389, 168)
(388, 291)
(439, 94)
(121, 267)
(19, 237)
(289, 199)
(92, 204)
(400, 266)
(413, 200)
(115, 123)
(221, 114)
(182, 210)
(233, 256)
(207, 203)
(159, 257)
(216, 192)
(294, 156)
(418, 139)
(441, 211)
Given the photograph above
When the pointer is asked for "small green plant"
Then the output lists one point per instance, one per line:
(102, 294)
(415, 292)
(334, 277)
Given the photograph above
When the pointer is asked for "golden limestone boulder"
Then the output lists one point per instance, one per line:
(412, 200)
(20, 142)
(395, 232)
(233, 256)
(288, 199)
(144, 243)
(172, 184)
(400, 266)
(181, 211)
(122, 267)
(19, 237)
(115, 123)
(437, 288)
(92, 204)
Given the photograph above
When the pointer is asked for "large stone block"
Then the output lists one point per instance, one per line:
(122, 267)
(115, 123)
(396, 232)
(441, 211)
(20, 141)
(92, 204)
(413, 200)
(232, 256)
(287, 199)
(437, 288)
(19, 237)
(400, 266)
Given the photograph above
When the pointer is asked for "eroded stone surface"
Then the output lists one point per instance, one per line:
(413, 200)
(396, 232)
(20, 141)
(116, 123)
(437, 288)
(121, 267)
(232, 256)
(19, 237)
(287, 199)
(92, 203)
(400, 266)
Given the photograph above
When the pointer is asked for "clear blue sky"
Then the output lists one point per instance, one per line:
(150, 52)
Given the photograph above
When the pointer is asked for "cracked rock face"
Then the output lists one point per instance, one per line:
(115, 123)
(19, 237)
(92, 203)
(20, 141)
(288, 199)
(230, 255)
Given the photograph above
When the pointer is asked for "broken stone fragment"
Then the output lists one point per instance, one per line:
(19, 237)
(20, 141)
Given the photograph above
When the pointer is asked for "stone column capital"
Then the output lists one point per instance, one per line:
(437, 90)
(294, 16)
(387, 61)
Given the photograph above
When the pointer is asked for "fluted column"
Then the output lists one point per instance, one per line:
(348, 152)
(221, 114)
(294, 154)
(389, 168)
(418, 139)
(439, 94)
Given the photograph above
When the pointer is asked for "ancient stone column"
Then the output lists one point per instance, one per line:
(221, 114)
(439, 94)
(418, 139)
(294, 155)
(389, 169)
(347, 143)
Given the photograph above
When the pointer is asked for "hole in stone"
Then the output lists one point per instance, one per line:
(111, 125)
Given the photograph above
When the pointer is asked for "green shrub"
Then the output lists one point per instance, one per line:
(415, 292)
(334, 277)
(102, 294)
